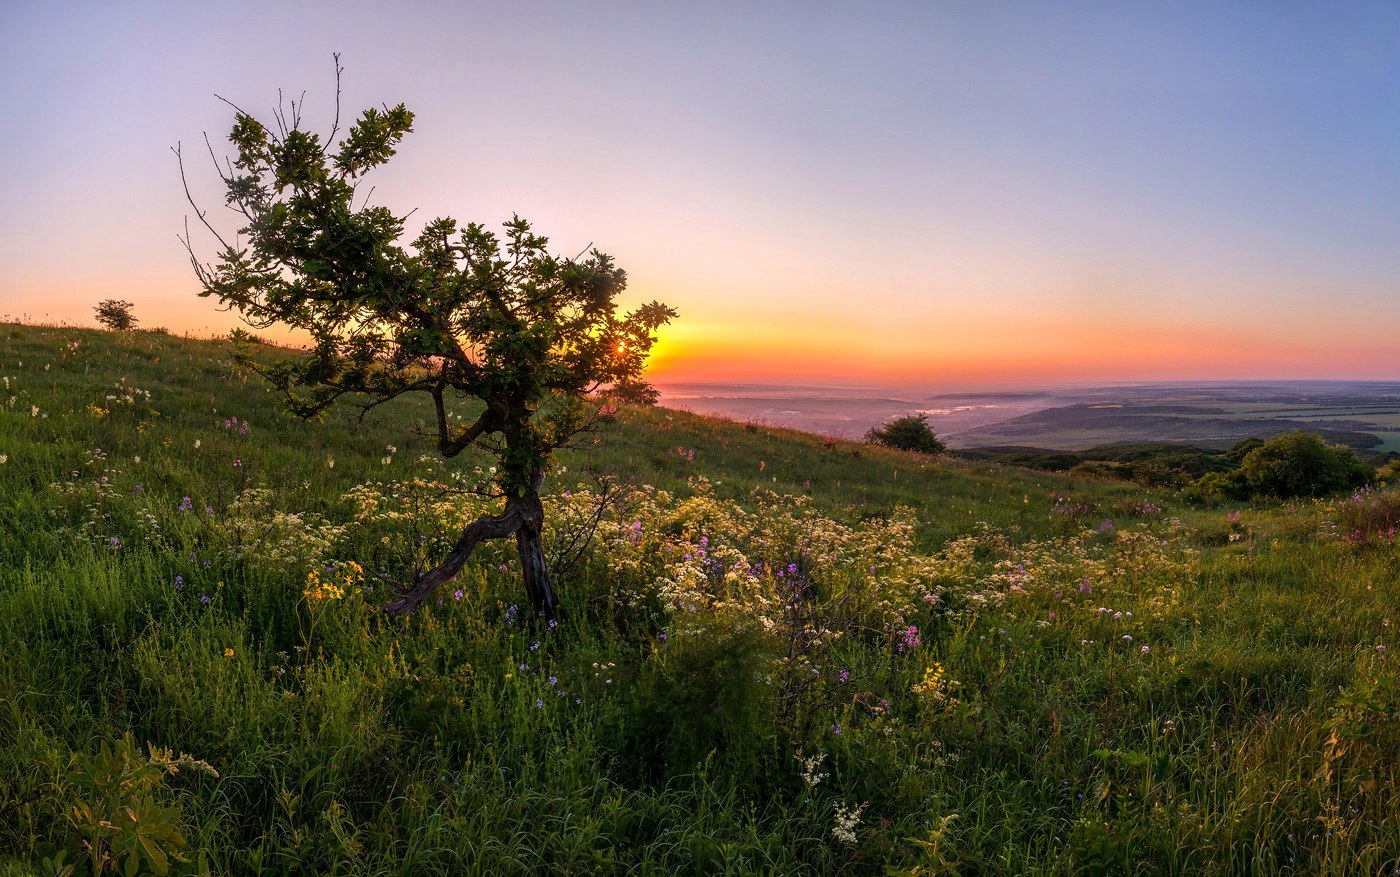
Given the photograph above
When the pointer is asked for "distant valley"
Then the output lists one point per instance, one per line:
(1365, 415)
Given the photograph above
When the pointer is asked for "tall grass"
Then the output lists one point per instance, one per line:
(1181, 689)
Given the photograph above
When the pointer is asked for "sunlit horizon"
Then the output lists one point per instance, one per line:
(895, 196)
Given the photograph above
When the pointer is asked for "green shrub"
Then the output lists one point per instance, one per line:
(702, 699)
(116, 315)
(118, 811)
(1287, 466)
(909, 433)
(1301, 464)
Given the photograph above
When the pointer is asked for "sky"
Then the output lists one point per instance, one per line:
(934, 195)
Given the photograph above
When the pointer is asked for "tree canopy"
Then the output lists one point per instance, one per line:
(115, 314)
(908, 433)
(1289, 465)
(518, 348)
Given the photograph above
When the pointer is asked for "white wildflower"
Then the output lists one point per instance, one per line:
(812, 775)
(847, 821)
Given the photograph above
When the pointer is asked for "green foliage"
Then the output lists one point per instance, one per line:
(1239, 450)
(117, 810)
(1152, 464)
(1024, 733)
(518, 349)
(116, 315)
(698, 701)
(241, 337)
(1289, 465)
(458, 313)
(908, 433)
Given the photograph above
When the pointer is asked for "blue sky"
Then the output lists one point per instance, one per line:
(926, 193)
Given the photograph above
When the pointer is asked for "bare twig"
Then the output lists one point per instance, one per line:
(335, 126)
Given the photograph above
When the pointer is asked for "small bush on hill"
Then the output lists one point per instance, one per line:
(908, 433)
(243, 336)
(116, 315)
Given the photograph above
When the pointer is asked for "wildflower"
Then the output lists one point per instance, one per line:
(457, 595)
(238, 462)
(185, 504)
(228, 653)
(847, 820)
(179, 583)
(204, 599)
(114, 543)
(1145, 650)
(910, 639)
(811, 769)
(197, 442)
(554, 680)
(539, 704)
(4, 458)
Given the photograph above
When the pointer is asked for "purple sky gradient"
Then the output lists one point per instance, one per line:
(937, 194)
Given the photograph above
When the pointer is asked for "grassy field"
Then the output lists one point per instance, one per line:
(779, 654)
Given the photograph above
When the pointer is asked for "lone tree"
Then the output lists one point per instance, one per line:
(908, 433)
(115, 314)
(519, 350)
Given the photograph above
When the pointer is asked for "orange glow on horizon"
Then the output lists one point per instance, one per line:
(965, 351)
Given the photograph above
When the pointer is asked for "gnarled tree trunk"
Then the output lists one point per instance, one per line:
(533, 564)
(523, 518)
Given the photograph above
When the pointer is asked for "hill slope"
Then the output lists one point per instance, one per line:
(778, 654)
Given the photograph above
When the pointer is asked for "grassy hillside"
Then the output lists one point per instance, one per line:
(778, 655)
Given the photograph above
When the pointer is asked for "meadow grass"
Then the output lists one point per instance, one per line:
(781, 654)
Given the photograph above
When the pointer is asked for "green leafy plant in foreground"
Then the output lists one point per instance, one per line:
(122, 822)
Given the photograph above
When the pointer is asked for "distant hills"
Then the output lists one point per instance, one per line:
(1364, 415)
